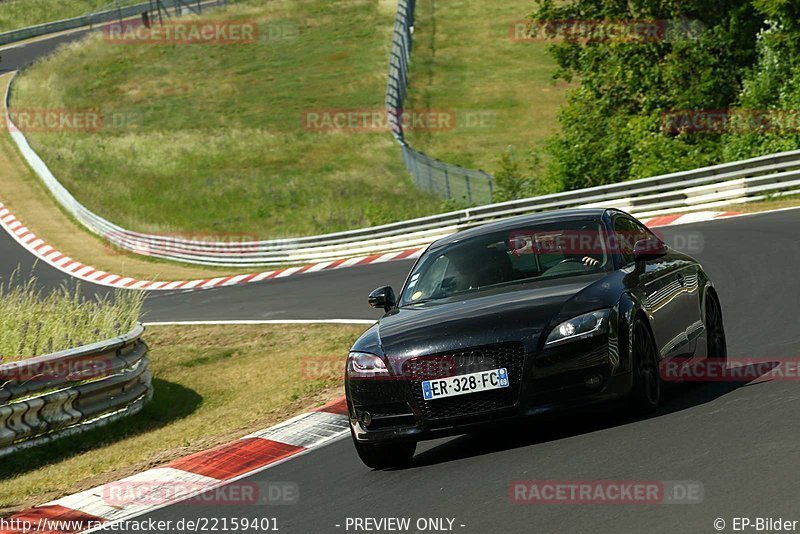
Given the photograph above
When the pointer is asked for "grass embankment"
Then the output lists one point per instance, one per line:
(34, 323)
(15, 14)
(30, 201)
(212, 384)
(501, 89)
(209, 138)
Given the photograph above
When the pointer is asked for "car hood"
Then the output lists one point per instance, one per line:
(518, 313)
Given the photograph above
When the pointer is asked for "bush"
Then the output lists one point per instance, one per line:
(612, 126)
(772, 85)
(517, 178)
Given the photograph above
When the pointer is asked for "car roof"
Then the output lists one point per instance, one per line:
(508, 224)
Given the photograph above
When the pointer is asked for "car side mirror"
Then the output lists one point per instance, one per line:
(649, 249)
(383, 297)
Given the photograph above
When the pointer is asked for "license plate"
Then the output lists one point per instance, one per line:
(463, 384)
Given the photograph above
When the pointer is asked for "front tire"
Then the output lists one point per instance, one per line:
(645, 396)
(385, 455)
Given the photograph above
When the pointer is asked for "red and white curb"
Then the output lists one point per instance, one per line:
(167, 485)
(687, 218)
(76, 269)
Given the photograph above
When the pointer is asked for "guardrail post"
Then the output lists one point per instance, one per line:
(469, 189)
(430, 175)
(490, 180)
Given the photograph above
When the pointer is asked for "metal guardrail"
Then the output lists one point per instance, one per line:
(75, 22)
(705, 188)
(57, 395)
(90, 19)
(432, 175)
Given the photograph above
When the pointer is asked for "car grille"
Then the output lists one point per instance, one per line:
(509, 355)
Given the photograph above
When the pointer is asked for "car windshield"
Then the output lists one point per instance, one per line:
(520, 255)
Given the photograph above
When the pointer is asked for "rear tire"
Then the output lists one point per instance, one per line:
(717, 345)
(385, 455)
(645, 396)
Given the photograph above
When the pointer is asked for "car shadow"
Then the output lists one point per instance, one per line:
(677, 397)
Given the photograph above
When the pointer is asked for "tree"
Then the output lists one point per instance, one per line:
(613, 122)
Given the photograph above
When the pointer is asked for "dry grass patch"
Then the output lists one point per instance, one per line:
(33, 323)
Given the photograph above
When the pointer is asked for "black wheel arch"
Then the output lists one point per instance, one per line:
(629, 310)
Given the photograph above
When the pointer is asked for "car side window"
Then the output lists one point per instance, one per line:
(628, 232)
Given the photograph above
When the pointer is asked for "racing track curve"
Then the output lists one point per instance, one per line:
(739, 441)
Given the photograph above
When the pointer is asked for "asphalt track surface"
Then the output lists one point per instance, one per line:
(740, 441)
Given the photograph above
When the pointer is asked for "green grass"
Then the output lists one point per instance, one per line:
(464, 60)
(194, 407)
(15, 14)
(209, 138)
(35, 322)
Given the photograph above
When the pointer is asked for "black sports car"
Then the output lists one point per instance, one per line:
(524, 316)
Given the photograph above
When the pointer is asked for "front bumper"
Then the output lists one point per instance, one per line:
(560, 378)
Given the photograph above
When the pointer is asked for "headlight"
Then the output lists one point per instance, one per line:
(362, 365)
(580, 327)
